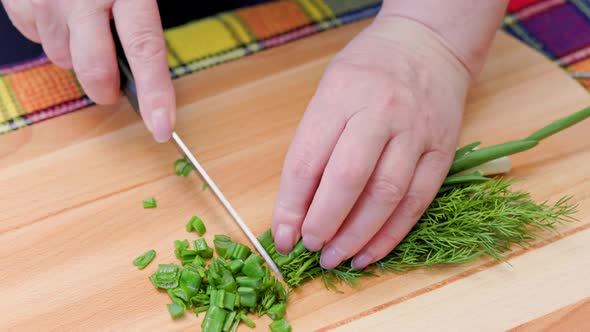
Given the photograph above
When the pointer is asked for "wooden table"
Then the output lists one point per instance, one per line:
(71, 218)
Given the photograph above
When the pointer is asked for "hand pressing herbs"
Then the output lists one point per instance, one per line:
(472, 215)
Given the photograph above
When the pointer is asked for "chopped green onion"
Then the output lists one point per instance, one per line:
(237, 251)
(166, 276)
(180, 294)
(236, 324)
(142, 261)
(190, 281)
(214, 319)
(227, 281)
(251, 282)
(216, 297)
(221, 237)
(254, 258)
(252, 269)
(277, 311)
(183, 167)
(177, 163)
(176, 309)
(198, 260)
(199, 300)
(200, 309)
(221, 247)
(229, 300)
(235, 266)
(248, 321)
(180, 245)
(280, 325)
(186, 170)
(196, 224)
(229, 321)
(149, 203)
(266, 240)
(205, 186)
(248, 297)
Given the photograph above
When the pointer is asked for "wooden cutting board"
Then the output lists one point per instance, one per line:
(71, 217)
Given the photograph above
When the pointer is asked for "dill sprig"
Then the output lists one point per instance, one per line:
(460, 225)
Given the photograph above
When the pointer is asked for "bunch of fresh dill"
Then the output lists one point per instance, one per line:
(460, 226)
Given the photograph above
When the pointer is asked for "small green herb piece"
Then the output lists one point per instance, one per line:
(237, 251)
(229, 321)
(149, 203)
(244, 317)
(199, 261)
(176, 309)
(280, 325)
(205, 186)
(248, 297)
(235, 266)
(253, 258)
(166, 277)
(142, 261)
(196, 224)
(277, 311)
(203, 249)
(221, 243)
(214, 319)
(253, 269)
(245, 281)
(198, 310)
(183, 167)
(229, 300)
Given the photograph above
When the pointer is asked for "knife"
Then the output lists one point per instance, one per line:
(128, 87)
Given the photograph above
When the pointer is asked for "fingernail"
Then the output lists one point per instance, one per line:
(331, 257)
(284, 239)
(161, 128)
(312, 243)
(361, 261)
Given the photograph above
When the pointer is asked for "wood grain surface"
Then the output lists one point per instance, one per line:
(71, 218)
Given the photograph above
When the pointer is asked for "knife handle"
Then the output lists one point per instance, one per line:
(127, 80)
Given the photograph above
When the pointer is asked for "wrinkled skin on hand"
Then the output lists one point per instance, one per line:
(374, 145)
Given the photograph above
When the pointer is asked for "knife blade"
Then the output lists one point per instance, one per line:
(128, 87)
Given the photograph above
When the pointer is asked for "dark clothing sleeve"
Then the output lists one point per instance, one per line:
(16, 48)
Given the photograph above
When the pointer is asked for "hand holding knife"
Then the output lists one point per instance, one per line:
(128, 86)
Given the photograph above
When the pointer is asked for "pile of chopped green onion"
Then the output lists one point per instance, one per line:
(227, 287)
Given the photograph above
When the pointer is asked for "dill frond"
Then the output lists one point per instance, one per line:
(460, 225)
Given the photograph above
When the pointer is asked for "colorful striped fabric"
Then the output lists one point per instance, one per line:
(36, 90)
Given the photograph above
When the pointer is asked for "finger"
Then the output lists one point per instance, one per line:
(430, 173)
(93, 54)
(383, 192)
(22, 16)
(53, 32)
(350, 166)
(306, 159)
(143, 41)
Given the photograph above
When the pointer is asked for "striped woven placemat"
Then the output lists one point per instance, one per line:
(36, 90)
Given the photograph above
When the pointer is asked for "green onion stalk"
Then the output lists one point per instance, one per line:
(473, 215)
